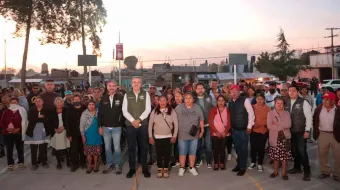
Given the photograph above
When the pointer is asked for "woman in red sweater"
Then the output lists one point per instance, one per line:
(219, 123)
(12, 122)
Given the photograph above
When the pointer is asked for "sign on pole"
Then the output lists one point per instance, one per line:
(119, 51)
(238, 59)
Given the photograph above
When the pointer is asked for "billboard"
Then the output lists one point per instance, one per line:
(119, 51)
(87, 60)
(238, 59)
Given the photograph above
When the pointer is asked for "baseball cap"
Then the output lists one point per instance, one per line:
(329, 95)
(284, 87)
(68, 92)
(234, 86)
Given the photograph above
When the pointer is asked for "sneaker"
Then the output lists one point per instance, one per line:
(10, 168)
(198, 164)
(118, 170)
(252, 166)
(174, 164)
(229, 157)
(166, 173)
(260, 168)
(193, 171)
(160, 173)
(181, 172)
(22, 166)
(209, 166)
(108, 169)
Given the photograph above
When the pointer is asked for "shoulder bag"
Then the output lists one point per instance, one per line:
(194, 128)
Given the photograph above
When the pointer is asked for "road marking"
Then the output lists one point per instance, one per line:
(135, 181)
(253, 180)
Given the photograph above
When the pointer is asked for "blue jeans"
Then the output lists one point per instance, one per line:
(241, 140)
(187, 147)
(112, 135)
(205, 143)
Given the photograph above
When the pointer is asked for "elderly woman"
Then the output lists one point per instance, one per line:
(38, 133)
(279, 123)
(163, 129)
(22, 99)
(13, 122)
(91, 138)
(59, 140)
(219, 123)
(190, 129)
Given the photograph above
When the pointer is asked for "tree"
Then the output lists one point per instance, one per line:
(281, 63)
(42, 15)
(131, 62)
(83, 19)
(264, 62)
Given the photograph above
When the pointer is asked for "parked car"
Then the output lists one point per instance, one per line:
(306, 82)
(332, 83)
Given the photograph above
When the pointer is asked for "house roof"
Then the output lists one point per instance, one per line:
(27, 81)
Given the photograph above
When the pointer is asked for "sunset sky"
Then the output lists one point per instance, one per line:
(177, 29)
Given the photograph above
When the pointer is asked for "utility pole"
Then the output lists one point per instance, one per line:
(334, 73)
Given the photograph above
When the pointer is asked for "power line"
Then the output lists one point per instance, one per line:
(212, 57)
(332, 48)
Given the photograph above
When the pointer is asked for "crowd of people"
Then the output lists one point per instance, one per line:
(180, 127)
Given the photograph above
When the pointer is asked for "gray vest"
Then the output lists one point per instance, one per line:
(136, 108)
(297, 115)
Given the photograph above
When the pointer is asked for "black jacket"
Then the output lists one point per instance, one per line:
(33, 120)
(111, 117)
(73, 121)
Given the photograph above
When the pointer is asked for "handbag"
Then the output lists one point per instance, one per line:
(194, 128)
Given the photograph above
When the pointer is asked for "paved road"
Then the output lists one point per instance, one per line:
(53, 179)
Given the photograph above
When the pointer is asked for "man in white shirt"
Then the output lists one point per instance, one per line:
(327, 131)
(301, 115)
(271, 95)
(136, 109)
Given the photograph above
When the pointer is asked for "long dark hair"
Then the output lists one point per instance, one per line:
(158, 108)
